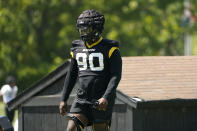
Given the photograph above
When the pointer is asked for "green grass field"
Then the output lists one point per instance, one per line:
(2, 113)
(194, 44)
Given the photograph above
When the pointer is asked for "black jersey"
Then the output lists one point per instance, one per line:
(93, 59)
(98, 67)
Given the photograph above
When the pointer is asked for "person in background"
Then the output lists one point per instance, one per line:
(9, 92)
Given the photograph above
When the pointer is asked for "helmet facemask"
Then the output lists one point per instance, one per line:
(88, 34)
(90, 25)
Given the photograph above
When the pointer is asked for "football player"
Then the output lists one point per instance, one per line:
(97, 64)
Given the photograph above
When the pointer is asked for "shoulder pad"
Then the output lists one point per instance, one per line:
(77, 43)
(111, 43)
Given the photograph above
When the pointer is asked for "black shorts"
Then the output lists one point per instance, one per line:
(9, 114)
(93, 115)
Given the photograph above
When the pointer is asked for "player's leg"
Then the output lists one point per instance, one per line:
(100, 126)
(71, 125)
(76, 121)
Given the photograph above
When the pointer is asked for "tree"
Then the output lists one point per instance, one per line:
(35, 35)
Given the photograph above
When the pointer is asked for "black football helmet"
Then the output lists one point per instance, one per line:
(90, 25)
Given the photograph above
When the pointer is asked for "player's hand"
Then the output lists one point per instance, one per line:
(63, 108)
(102, 104)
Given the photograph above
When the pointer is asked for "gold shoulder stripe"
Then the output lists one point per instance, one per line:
(112, 50)
(72, 55)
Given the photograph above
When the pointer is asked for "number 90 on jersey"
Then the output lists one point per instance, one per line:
(86, 61)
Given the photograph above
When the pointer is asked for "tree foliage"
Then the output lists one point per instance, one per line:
(35, 35)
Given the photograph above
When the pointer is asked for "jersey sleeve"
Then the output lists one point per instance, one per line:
(71, 75)
(115, 61)
(70, 79)
(4, 89)
(15, 90)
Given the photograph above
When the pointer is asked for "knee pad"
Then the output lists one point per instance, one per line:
(78, 123)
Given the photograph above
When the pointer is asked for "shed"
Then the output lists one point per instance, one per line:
(156, 93)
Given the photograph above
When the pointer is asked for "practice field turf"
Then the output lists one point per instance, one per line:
(2, 109)
(2, 113)
(194, 44)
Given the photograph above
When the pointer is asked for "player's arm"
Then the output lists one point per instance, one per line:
(70, 80)
(3, 91)
(115, 75)
(69, 83)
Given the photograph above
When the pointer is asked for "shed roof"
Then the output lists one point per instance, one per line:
(159, 77)
(149, 78)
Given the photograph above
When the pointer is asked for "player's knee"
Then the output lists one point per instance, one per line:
(78, 124)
